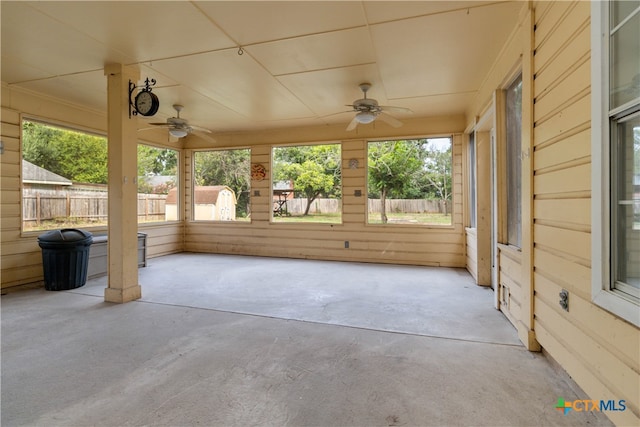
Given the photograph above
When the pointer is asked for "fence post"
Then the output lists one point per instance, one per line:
(68, 205)
(38, 209)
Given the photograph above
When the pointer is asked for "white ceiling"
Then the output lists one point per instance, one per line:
(301, 60)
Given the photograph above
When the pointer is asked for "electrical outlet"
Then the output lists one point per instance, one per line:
(564, 299)
(505, 296)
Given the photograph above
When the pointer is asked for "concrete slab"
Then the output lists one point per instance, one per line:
(430, 301)
(70, 359)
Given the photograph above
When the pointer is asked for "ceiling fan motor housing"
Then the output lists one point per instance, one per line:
(366, 104)
(176, 121)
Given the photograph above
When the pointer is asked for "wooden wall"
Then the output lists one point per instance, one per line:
(399, 244)
(600, 351)
(488, 113)
(510, 275)
(478, 239)
(20, 257)
(471, 263)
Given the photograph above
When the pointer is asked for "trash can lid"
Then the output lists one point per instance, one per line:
(65, 235)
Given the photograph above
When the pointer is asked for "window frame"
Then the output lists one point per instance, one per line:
(275, 219)
(603, 293)
(178, 187)
(513, 171)
(192, 189)
(451, 225)
(73, 127)
(473, 179)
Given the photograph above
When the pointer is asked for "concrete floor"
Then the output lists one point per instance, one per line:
(222, 340)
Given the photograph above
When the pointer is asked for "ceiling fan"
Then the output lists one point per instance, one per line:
(178, 127)
(367, 110)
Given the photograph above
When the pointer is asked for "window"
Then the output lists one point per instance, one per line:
(157, 184)
(616, 158)
(307, 184)
(64, 177)
(222, 181)
(409, 181)
(513, 119)
(472, 180)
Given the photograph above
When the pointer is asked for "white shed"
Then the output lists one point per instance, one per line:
(211, 203)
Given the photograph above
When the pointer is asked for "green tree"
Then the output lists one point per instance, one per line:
(36, 147)
(438, 174)
(154, 161)
(393, 167)
(314, 170)
(78, 156)
(83, 157)
(157, 161)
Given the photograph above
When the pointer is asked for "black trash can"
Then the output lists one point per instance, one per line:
(65, 258)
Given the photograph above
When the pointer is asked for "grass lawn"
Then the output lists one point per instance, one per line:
(394, 218)
(335, 218)
(412, 218)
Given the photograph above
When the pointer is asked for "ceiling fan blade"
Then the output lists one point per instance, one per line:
(199, 129)
(398, 109)
(390, 120)
(352, 125)
(202, 135)
(155, 127)
(160, 124)
(335, 114)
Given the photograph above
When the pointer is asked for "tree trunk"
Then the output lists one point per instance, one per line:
(383, 207)
(309, 201)
(443, 206)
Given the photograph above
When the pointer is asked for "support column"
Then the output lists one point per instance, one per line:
(123, 192)
(525, 325)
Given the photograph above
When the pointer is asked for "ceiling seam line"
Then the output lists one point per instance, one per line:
(424, 15)
(315, 70)
(465, 92)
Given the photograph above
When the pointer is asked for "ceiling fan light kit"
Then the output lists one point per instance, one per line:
(178, 133)
(365, 117)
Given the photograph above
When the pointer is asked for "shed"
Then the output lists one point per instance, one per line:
(211, 203)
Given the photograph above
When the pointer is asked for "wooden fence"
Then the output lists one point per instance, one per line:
(81, 205)
(91, 206)
(318, 206)
(411, 206)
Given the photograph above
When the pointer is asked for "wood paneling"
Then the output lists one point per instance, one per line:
(472, 252)
(400, 244)
(597, 349)
(509, 279)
